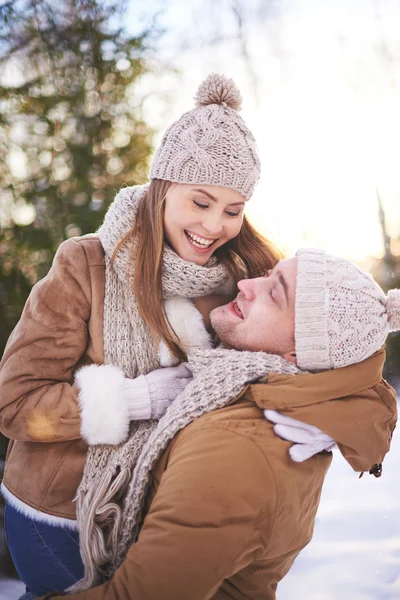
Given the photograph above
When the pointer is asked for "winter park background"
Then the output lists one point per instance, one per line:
(86, 90)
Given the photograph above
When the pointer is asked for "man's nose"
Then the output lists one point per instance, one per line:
(246, 286)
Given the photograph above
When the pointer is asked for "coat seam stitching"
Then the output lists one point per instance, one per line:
(56, 469)
(389, 408)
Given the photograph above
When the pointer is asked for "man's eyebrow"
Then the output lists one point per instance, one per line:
(213, 198)
(284, 285)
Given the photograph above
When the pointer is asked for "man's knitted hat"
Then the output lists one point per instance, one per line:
(211, 143)
(342, 316)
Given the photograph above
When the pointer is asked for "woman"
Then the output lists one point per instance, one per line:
(100, 310)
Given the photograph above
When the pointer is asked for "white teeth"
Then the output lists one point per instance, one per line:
(198, 241)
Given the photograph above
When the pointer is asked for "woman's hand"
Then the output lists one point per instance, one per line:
(149, 396)
(308, 440)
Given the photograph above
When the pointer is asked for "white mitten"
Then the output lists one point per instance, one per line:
(149, 396)
(308, 440)
(188, 325)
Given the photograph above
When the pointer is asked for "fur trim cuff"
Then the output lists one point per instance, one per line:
(188, 324)
(34, 514)
(104, 411)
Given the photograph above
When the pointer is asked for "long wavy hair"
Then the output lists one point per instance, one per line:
(248, 254)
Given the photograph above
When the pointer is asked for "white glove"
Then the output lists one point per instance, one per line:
(308, 440)
(149, 396)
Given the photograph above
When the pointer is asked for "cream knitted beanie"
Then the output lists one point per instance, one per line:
(211, 143)
(342, 316)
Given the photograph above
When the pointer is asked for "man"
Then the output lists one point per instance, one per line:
(227, 510)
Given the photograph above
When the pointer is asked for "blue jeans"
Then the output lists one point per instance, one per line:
(46, 556)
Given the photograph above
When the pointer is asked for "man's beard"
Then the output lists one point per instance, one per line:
(223, 328)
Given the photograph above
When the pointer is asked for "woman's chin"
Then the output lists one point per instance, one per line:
(199, 260)
(190, 255)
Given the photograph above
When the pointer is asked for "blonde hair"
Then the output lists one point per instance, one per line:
(248, 254)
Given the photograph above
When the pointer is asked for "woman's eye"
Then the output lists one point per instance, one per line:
(199, 204)
(233, 214)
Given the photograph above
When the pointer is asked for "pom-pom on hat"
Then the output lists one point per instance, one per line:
(217, 89)
(211, 143)
(342, 316)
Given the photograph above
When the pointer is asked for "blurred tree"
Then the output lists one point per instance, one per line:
(71, 131)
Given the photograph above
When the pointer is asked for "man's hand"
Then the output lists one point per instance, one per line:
(308, 440)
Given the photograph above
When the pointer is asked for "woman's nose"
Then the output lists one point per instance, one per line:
(212, 223)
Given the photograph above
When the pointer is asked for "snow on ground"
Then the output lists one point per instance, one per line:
(10, 589)
(355, 552)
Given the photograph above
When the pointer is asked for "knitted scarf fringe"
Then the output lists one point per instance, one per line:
(99, 539)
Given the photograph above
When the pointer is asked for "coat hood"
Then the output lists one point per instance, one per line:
(352, 405)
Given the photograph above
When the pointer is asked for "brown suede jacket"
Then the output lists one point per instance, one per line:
(227, 510)
(61, 329)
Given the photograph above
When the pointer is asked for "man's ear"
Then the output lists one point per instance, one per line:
(290, 356)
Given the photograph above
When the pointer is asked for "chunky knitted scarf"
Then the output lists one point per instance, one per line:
(128, 343)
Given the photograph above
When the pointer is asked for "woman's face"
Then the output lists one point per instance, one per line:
(198, 219)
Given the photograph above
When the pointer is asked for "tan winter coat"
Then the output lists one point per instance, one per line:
(227, 510)
(61, 328)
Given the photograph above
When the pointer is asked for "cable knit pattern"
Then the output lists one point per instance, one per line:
(219, 377)
(211, 143)
(342, 314)
(128, 344)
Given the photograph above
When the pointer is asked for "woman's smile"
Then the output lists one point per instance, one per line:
(199, 243)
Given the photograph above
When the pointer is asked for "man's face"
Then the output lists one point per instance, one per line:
(262, 316)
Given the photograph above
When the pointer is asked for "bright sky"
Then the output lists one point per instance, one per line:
(328, 117)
